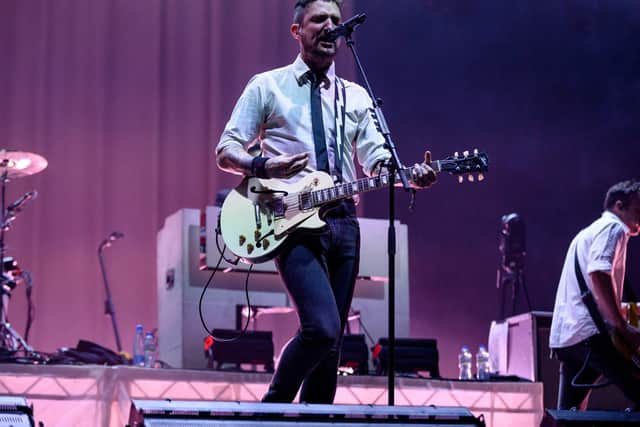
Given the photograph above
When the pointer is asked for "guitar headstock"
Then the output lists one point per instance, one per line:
(472, 164)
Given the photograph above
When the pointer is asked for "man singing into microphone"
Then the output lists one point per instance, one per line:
(306, 118)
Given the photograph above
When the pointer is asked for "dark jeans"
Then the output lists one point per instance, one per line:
(319, 272)
(604, 361)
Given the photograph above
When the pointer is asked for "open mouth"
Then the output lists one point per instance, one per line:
(327, 44)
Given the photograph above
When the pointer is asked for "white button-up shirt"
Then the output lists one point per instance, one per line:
(602, 246)
(275, 110)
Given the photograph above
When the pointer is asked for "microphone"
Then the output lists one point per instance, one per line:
(115, 236)
(346, 28)
(110, 239)
(18, 204)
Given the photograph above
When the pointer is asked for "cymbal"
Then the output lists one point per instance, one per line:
(16, 164)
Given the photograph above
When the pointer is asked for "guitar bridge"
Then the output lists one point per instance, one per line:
(305, 201)
(278, 207)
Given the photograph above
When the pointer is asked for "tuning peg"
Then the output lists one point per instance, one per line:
(475, 152)
(455, 155)
(465, 153)
(460, 179)
(427, 157)
(480, 177)
(470, 178)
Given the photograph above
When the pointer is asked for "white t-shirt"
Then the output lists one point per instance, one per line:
(602, 246)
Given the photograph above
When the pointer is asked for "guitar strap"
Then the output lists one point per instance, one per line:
(588, 299)
(340, 113)
(590, 303)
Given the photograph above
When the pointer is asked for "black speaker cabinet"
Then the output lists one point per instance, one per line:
(15, 412)
(411, 355)
(553, 418)
(250, 347)
(162, 413)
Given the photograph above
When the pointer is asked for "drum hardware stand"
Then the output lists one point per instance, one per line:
(10, 339)
(13, 164)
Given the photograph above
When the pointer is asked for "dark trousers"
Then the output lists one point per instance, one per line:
(319, 272)
(604, 361)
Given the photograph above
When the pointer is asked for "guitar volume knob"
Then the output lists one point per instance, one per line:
(241, 240)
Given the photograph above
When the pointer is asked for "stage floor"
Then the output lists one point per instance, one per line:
(101, 396)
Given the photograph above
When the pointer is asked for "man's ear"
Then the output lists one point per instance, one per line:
(295, 31)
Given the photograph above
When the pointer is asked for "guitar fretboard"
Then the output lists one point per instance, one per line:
(342, 191)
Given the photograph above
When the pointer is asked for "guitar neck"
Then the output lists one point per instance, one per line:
(349, 189)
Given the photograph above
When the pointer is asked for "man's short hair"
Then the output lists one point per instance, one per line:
(622, 191)
(301, 6)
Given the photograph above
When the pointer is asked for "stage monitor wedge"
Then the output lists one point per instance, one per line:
(566, 418)
(15, 412)
(162, 413)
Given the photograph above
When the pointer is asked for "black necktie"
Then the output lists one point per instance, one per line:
(317, 125)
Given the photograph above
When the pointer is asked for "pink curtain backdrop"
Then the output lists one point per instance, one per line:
(126, 100)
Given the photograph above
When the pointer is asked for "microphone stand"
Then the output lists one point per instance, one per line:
(108, 304)
(393, 166)
(3, 203)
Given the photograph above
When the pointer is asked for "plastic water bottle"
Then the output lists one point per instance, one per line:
(483, 363)
(150, 345)
(464, 363)
(138, 347)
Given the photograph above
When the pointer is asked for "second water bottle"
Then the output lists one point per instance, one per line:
(483, 364)
(150, 347)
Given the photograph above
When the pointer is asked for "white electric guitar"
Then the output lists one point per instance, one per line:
(259, 214)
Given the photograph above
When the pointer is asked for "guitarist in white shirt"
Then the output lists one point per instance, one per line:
(585, 352)
(318, 270)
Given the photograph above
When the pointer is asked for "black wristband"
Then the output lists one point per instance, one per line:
(257, 167)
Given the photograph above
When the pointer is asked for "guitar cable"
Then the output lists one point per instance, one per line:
(222, 251)
(574, 380)
(206, 286)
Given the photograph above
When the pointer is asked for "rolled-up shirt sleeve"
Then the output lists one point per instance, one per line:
(248, 115)
(369, 141)
(604, 247)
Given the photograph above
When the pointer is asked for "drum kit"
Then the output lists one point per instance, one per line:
(14, 165)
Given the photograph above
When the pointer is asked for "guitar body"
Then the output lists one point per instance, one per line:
(626, 351)
(259, 214)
